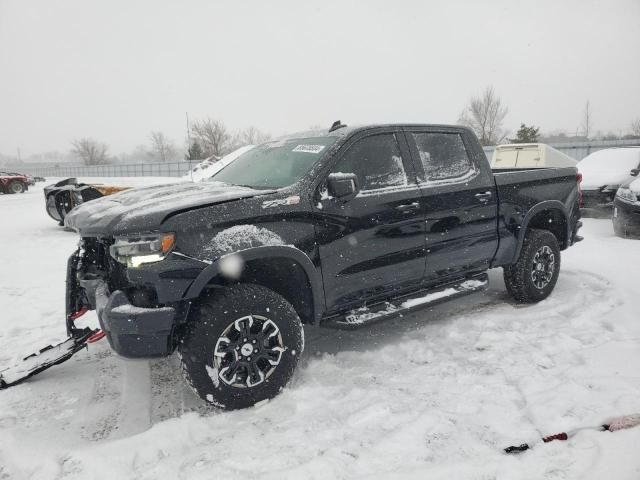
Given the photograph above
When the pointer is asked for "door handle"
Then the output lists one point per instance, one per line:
(483, 197)
(407, 207)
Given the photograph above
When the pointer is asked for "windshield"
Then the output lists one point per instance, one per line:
(275, 164)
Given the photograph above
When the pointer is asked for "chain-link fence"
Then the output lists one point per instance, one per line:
(172, 169)
(178, 169)
(579, 150)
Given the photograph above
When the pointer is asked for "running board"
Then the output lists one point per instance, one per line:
(408, 303)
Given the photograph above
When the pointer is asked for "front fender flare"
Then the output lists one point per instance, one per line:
(265, 252)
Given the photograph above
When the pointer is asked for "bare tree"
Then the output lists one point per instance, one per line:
(212, 136)
(586, 120)
(90, 151)
(248, 136)
(253, 136)
(161, 147)
(485, 114)
(635, 128)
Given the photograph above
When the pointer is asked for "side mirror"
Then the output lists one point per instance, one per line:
(635, 172)
(342, 185)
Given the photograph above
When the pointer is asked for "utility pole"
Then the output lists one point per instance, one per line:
(189, 145)
(586, 124)
(19, 160)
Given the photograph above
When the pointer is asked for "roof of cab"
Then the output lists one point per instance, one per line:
(346, 130)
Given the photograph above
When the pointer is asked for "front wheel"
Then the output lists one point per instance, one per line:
(241, 346)
(533, 277)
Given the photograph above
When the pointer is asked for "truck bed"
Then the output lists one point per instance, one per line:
(520, 190)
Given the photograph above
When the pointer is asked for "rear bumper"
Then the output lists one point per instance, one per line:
(575, 238)
(626, 219)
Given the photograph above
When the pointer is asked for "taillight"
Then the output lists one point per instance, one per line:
(579, 182)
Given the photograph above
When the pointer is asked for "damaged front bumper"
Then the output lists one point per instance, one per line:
(132, 331)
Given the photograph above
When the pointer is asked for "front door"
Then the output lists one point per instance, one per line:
(372, 245)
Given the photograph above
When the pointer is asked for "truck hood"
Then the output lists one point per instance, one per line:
(144, 209)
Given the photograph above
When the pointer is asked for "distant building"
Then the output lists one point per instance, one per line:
(562, 138)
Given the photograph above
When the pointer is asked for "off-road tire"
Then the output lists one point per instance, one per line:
(17, 187)
(518, 276)
(210, 316)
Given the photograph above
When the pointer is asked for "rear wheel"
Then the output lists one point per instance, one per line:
(17, 187)
(533, 277)
(241, 345)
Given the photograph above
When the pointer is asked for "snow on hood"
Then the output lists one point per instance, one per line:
(209, 167)
(144, 209)
(608, 167)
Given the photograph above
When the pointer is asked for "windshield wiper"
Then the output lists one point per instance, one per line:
(253, 187)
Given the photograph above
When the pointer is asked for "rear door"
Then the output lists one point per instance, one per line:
(459, 201)
(372, 245)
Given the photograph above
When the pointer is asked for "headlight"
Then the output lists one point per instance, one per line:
(134, 251)
(77, 198)
(627, 195)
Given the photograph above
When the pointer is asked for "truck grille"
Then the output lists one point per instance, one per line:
(95, 260)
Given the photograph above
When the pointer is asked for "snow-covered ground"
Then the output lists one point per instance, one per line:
(436, 394)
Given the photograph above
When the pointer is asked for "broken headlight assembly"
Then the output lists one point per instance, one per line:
(134, 251)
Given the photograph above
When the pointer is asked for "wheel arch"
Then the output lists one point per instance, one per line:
(550, 215)
(282, 268)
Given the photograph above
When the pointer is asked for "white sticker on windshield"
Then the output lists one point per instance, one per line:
(309, 148)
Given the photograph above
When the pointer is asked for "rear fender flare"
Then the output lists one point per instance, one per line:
(533, 211)
(265, 252)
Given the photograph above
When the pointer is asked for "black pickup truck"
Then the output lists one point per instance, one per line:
(340, 227)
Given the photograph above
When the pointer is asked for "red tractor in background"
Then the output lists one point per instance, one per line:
(13, 182)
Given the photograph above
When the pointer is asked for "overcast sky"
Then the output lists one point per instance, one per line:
(115, 70)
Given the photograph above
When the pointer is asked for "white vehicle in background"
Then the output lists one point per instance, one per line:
(602, 174)
(212, 165)
(529, 155)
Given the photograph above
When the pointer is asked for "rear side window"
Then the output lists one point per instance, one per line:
(376, 161)
(443, 156)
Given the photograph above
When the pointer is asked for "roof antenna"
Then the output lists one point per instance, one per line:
(336, 125)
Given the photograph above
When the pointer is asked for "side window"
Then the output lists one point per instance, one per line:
(443, 156)
(376, 161)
